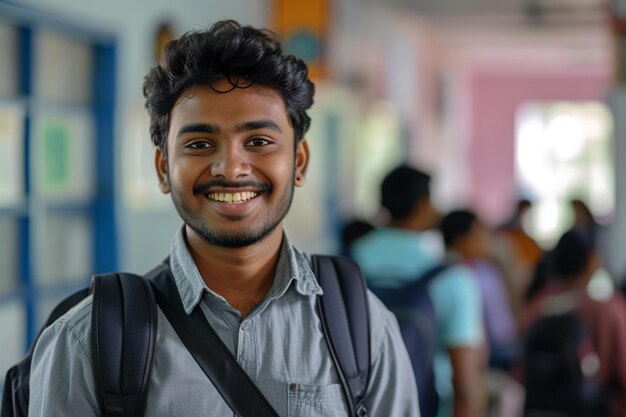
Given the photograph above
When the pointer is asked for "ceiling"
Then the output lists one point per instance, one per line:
(513, 32)
(532, 8)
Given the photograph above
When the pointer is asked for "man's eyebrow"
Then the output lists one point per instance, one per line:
(198, 128)
(257, 124)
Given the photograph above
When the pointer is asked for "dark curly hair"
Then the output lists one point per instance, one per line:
(242, 55)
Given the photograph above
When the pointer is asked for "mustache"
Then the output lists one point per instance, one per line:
(223, 183)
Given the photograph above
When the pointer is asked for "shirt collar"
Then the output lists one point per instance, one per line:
(293, 265)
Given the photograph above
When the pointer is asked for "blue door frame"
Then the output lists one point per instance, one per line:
(101, 209)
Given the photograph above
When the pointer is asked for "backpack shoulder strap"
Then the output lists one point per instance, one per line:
(429, 275)
(344, 313)
(124, 327)
(208, 350)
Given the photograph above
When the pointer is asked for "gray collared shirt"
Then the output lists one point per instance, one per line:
(280, 345)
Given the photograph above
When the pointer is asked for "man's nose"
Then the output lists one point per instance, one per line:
(231, 162)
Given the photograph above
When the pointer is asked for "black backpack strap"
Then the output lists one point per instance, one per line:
(206, 347)
(344, 313)
(124, 327)
(428, 276)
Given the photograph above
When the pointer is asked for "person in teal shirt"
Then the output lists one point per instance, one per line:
(400, 253)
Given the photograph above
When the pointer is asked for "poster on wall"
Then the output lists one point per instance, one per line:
(303, 27)
(11, 154)
(64, 153)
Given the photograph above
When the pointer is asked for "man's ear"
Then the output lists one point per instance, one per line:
(160, 162)
(302, 162)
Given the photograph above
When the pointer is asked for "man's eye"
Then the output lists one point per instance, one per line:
(258, 142)
(198, 145)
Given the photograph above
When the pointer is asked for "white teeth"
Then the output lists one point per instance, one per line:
(232, 198)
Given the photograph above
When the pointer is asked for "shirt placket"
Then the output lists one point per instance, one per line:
(246, 347)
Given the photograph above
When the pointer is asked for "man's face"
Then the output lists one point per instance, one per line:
(475, 244)
(230, 166)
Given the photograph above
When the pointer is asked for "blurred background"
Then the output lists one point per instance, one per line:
(498, 99)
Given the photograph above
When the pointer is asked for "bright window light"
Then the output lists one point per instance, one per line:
(563, 152)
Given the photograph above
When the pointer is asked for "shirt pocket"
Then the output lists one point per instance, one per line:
(315, 401)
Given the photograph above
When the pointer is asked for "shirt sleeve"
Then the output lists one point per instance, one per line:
(458, 307)
(392, 390)
(61, 377)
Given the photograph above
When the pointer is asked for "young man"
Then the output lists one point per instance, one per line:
(468, 241)
(228, 118)
(399, 254)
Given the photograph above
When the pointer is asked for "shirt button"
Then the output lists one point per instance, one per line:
(293, 387)
(245, 326)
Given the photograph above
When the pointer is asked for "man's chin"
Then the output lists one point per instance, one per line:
(235, 240)
(234, 243)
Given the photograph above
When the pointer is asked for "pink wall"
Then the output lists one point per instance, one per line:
(495, 98)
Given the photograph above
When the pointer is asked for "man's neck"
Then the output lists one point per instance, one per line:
(243, 276)
(408, 223)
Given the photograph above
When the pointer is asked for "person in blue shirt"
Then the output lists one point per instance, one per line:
(401, 252)
(468, 240)
(228, 111)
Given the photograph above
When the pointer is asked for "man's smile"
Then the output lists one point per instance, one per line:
(232, 198)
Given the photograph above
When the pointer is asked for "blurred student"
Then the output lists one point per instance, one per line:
(517, 254)
(399, 254)
(467, 240)
(528, 250)
(585, 221)
(567, 302)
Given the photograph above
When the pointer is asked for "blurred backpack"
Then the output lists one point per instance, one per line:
(560, 365)
(413, 307)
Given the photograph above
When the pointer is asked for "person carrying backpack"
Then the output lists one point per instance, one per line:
(468, 241)
(228, 112)
(574, 359)
(395, 259)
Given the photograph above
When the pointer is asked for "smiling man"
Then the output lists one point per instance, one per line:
(234, 151)
(228, 116)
